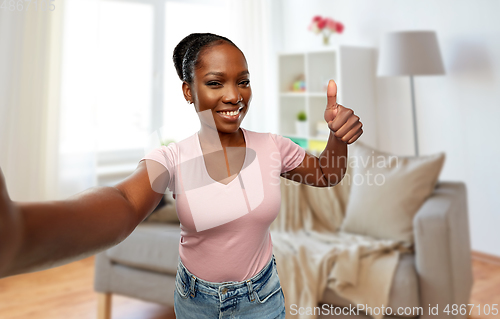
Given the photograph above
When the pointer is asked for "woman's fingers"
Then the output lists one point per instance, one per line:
(352, 133)
(346, 126)
(355, 137)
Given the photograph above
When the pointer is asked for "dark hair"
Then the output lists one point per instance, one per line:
(187, 52)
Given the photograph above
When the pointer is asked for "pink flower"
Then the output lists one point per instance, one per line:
(314, 27)
(330, 24)
(316, 19)
(322, 24)
(339, 27)
(325, 25)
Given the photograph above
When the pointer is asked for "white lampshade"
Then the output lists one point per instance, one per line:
(409, 53)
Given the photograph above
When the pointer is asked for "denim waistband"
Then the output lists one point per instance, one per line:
(214, 288)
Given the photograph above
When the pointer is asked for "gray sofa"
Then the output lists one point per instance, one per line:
(144, 265)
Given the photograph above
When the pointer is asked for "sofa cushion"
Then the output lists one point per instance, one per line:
(404, 290)
(387, 191)
(165, 212)
(151, 246)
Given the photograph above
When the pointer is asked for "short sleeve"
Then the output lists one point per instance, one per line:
(291, 153)
(165, 155)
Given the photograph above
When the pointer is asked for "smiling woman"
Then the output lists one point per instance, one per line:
(220, 219)
(226, 183)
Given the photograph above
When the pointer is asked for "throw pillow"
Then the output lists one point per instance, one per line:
(387, 191)
(165, 212)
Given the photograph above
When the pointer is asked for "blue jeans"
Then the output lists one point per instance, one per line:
(258, 297)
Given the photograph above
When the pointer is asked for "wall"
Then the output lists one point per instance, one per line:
(457, 113)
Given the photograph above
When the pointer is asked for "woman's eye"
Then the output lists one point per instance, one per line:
(245, 83)
(213, 83)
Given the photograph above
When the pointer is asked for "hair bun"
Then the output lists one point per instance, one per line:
(180, 50)
(187, 52)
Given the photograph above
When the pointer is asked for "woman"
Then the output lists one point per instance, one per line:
(225, 180)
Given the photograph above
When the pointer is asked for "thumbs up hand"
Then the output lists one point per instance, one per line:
(341, 120)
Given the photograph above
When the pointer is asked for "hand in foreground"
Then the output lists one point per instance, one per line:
(341, 120)
(10, 227)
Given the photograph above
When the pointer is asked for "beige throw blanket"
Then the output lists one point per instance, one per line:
(312, 255)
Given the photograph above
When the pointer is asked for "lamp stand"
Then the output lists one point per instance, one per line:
(415, 133)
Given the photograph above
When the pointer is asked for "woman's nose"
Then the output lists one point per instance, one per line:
(232, 95)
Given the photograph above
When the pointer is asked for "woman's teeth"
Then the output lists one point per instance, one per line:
(231, 113)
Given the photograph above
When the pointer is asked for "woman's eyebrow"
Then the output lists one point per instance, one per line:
(245, 72)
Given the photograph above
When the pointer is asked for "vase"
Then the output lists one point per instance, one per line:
(301, 128)
(326, 39)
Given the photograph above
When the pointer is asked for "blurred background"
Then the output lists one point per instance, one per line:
(83, 83)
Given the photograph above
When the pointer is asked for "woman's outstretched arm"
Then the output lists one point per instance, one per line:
(40, 235)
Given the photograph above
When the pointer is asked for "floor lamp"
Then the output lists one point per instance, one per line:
(410, 53)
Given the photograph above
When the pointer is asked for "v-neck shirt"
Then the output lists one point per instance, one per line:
(225, 234)
(205, 163)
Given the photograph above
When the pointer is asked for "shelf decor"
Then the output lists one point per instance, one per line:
(302, 142)
(316, 147)
(299, 85)
(326, 26)
(352, 68)
(301, 124)
(322, 130)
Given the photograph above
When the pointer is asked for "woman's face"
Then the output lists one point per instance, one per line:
(221, 83)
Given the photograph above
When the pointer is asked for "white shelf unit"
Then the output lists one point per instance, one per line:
(352, 68)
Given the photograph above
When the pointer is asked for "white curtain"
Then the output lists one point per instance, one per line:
(30, 43)
(47, 119)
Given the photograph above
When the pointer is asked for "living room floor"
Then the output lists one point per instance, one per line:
(67, 292)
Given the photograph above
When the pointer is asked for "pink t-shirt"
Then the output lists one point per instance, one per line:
(225, 233)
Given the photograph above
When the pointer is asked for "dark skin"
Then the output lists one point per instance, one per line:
(40, 235)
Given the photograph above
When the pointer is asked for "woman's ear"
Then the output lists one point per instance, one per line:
(186, 89)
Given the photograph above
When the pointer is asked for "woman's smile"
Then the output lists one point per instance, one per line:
(231, 116)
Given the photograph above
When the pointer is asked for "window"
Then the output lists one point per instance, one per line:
(125, 69)
(119, 82)
(107, 82)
